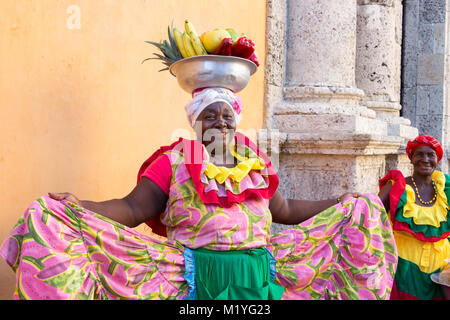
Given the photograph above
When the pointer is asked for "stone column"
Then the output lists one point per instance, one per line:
(320, 63)
(378, 66)
(319, 96)
(378, 55)
(329, 142)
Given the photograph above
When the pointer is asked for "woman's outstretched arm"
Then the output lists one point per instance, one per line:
(291, 211)
(144, 202)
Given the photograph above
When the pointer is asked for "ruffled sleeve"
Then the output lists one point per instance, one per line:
(160, 172)
(398, 187)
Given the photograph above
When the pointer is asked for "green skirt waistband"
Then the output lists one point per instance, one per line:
(232, 275)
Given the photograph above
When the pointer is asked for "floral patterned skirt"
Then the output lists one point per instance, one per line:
(61, 251)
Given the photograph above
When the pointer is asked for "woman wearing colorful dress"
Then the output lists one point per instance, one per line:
(418, 207)
(213, 199)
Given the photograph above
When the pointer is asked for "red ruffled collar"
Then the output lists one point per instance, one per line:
(194, 156)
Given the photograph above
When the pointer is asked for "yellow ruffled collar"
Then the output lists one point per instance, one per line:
(433, 215)
(239, 172)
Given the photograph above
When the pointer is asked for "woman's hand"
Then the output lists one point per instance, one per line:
(65, 196)
(348, 195)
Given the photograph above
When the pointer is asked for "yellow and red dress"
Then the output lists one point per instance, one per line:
(421, 235)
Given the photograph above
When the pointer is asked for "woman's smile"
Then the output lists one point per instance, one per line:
(424, 160)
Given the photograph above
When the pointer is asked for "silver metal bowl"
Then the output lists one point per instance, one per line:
(435, 278)
(213, 71)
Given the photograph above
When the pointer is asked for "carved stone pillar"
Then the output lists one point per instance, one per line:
(329, 142)
(378, 65)
(320, 67)
(378, 60)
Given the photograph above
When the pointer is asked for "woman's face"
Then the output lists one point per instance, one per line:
(217, 124)
(424, 160)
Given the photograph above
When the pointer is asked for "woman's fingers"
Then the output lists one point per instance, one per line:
(64, 196)
(348, 195)
(56, 196)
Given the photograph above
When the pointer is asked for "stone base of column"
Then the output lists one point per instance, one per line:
(325, 176)
(389, 112)
(326, 163)
(359, 160)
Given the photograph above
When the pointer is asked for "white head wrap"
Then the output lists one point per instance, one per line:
(205, 97)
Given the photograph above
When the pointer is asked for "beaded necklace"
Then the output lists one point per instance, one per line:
(418, 194)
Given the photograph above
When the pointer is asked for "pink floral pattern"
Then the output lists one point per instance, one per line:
(195, 224)
(62, 251)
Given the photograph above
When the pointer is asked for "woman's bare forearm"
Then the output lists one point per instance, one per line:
(302, 210)
(118, 210)
(292, 211)
(144, 203)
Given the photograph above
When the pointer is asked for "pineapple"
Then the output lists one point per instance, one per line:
(169, 50)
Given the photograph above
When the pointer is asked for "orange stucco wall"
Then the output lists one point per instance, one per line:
(79, 112)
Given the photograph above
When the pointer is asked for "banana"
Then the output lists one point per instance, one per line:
(188, 45)
(195, 40)
(178, 36)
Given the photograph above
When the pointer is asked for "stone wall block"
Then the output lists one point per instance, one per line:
(304, 176)
(430, 69)
(426, 39)
(423, 101)
(409, 104)
(436, 94)
(409, 70)
(330, 123)
(439, 38)
(430, 125)
(432, 11)
(369, 170)
(411, 23)
(402, 130)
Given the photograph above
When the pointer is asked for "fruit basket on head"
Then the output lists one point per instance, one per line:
(218, 58)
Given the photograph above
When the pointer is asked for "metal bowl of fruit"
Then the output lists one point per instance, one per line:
(213, 71)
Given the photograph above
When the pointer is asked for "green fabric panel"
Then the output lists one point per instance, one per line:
(427, 230)
(410, 279)
(234, 275)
